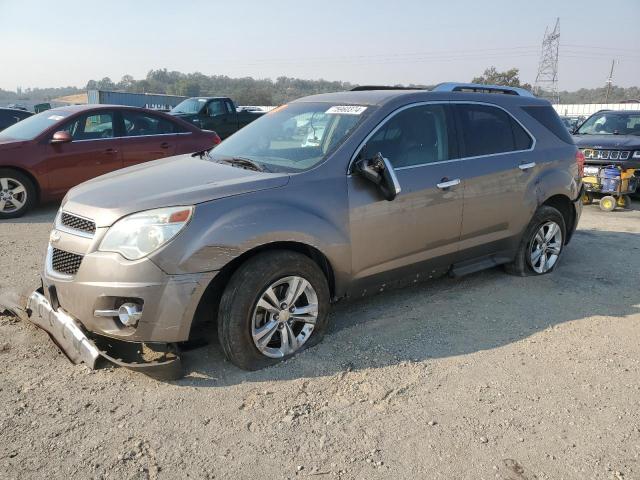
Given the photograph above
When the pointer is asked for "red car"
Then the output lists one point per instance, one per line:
(45, 155)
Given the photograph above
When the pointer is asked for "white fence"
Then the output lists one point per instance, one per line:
(586, 109)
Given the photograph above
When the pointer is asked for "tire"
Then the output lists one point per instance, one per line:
(523, 264)
(587, 198)
(608, 203)
(624, 201)
(12, 204)
(242, 315)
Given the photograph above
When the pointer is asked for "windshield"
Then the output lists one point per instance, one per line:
(31, 127)
(292, 138)
(611, 123)
(190, 105)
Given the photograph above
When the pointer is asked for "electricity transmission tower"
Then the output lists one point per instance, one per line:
(547, 79)
(609, 82)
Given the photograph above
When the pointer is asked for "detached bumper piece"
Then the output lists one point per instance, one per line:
(158, 361)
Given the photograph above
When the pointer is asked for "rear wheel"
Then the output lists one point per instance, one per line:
(624, 201)
(608, 203)
(275, 305)
(17, 193)
(541, 245)
(587, 198)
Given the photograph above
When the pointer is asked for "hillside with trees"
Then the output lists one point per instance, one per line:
(251, 91)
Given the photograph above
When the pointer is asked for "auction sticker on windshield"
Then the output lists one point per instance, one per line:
(346, 109)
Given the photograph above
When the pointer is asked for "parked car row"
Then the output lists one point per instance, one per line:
(263, 232)
(45, 155)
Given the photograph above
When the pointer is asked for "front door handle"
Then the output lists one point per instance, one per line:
(164, 145)
(111, 151)
(445, 183)
(526, 166)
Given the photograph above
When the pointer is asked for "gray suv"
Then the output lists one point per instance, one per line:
(330, 196)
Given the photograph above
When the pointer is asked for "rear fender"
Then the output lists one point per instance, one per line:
(556, 181)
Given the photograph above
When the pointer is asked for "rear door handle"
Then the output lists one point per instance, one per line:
(164, 145)
(448, 183)
(526, 166)
(111, 151)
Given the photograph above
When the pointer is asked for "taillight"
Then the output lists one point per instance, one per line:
(580, 162)
(216, 141)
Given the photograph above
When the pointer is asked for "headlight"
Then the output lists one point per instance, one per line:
(636, 154)
(137, 235)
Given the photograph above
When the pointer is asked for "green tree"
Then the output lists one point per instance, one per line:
(508, 78)
(187, 88)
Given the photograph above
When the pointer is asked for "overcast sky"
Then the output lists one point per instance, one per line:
(52, 44)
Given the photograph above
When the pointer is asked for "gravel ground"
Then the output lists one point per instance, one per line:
(488, 376)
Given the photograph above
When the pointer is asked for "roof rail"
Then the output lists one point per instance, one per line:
(362, 88)
(480, 88)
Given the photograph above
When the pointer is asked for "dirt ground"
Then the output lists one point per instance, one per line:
(488, 376)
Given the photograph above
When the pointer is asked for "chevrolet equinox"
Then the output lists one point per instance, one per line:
(330, 196)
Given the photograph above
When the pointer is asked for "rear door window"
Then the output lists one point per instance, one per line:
(138, 124)
(416, 136)
(487, 130)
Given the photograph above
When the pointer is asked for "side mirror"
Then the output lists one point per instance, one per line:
(61, 137)
(379, 171)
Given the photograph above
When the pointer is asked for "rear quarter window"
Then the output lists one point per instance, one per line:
(548, 118)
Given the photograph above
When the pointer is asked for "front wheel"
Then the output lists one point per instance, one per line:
(275, 305)
(17, 193)
(541, 245)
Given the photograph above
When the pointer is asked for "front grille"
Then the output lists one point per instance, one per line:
(596, 154)
(78, 223)
(65, 262)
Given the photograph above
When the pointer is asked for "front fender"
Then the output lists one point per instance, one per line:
(221, 231)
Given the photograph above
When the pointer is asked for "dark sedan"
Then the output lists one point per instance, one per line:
(45, 155)
(10, 116)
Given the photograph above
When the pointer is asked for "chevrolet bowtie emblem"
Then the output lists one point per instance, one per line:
(54, 236)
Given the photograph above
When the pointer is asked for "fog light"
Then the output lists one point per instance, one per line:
(129, 314)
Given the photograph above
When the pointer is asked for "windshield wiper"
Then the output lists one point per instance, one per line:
(244, 163)
(201, 153)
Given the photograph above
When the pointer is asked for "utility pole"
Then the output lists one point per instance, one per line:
(609, 82)
(547, 78)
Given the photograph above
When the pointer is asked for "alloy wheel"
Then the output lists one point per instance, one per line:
(545, 247)
(284, 317)
(13, 195)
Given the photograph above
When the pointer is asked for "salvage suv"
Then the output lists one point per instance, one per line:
(262, 233)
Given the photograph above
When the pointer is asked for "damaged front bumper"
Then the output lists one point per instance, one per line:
(63, 329)
(83, 347)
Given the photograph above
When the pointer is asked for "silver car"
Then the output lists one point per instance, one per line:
(260, 235)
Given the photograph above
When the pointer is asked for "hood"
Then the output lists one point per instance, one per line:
(181, 180)
(11, 143)
(605, 142)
